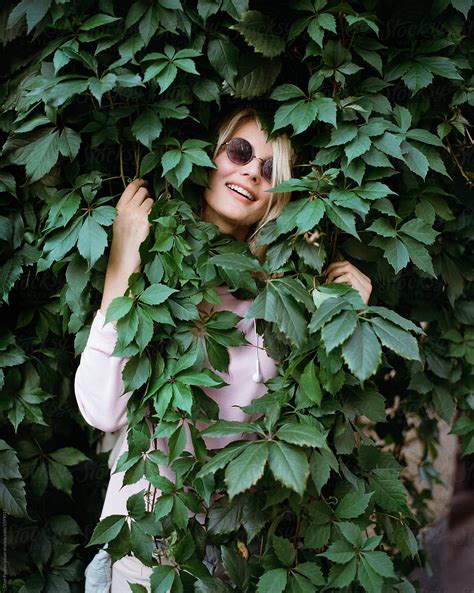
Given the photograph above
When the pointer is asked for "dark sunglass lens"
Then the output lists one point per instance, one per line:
(267, 170)
(239, 151)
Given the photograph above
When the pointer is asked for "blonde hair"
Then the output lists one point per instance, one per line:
(283, 158)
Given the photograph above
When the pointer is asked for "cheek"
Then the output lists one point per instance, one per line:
(224, 166)
(217, 177)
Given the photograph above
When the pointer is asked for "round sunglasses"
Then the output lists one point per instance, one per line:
(240, 152)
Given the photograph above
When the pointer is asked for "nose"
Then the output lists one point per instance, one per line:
(253, 168)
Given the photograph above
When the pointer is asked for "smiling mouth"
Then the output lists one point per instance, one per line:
(241, 191)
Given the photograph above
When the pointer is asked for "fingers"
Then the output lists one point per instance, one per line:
(335, 269)
(345, 272)
(140, 196)
(131, 190)
(147, 205)
(348, 278)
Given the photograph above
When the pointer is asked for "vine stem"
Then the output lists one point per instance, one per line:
(136, 153)
(122, 174)
(458, 164)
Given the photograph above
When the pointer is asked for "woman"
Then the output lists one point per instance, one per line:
(237, 202)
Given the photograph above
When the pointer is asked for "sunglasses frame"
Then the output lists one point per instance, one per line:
(264, 161)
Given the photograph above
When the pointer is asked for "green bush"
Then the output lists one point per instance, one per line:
(375, 96)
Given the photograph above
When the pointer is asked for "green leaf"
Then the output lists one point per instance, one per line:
(40, 155)
(61, 478)
(362, 352)
(199, 378)
(162, 578)
(342, 575)
(12, 486)
(69, 456)
(352, 505)
(382, 227)
(398, 340)
(441, 66)
(238, 262)
(147, 127)
(289, 466)
(309, 384)
(156, 294)
(99, 86)
(342, 218)
(374, 190)
(419, 230)
(326, 110)
(221, 459)
(415, 160)
(357, 147)
(224, 58)
(259, 79)
(224, 428)
(389, 144)
(368, 578)
(211, 585)
(276, 306)
(255, 29)
(136, 588)
(118, 308)
(69, 143)
(312, 572)
(246, 469)
(424, 136)
(284, 550)
(12, 497)
(286, 92)
(389, 491)
(273, 581)
(403, 117)
(380, 563)
(351, 532)
(136, 372)
(35, 11)
(344, 134)
(98, 20)
(338, 329)
(321, 463)
(417, 77)
(92, 241)
(300, 114)
(397, 319)
(340, 552)
(235, 566)
(327, 21)
(395, 252)
(310, 215)
(107, 529)
(463, 6)
(302, 435)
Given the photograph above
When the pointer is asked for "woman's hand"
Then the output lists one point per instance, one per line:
(344, 271)
(130, 229)
(131, 226)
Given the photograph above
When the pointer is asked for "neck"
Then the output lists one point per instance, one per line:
(226, 227)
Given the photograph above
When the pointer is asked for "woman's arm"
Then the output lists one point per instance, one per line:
(130, 229)
(98, 382)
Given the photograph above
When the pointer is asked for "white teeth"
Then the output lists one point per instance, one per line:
(241, 190)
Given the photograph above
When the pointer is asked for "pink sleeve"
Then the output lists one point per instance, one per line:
(98, 382)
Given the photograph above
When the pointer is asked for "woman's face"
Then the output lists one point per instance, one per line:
(230, 211)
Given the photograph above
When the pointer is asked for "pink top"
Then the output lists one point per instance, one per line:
(99, 388)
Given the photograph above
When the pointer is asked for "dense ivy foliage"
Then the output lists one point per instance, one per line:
(375, 96)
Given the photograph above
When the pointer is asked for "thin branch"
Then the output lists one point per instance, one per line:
(458, 164)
